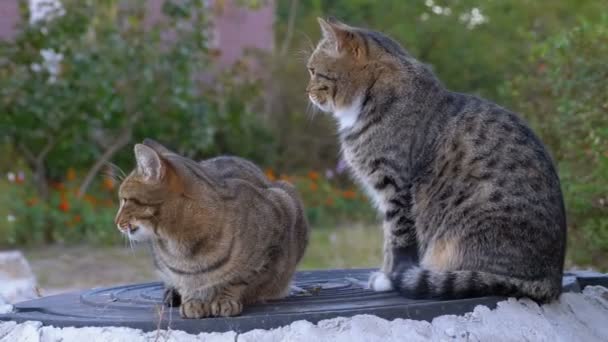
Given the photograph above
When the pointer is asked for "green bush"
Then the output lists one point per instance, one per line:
(76, 90)
(66, 218)
(330, 201)
(63, 217)
(564, 95)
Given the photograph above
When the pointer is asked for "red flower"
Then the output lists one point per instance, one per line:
(349, 194)
(313, 175)
(64, 206)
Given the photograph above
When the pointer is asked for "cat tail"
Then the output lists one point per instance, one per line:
(420, 283)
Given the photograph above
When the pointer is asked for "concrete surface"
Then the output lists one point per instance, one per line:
(575, 317)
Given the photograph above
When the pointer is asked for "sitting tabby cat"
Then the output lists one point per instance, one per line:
(471, 199)
(222, 234)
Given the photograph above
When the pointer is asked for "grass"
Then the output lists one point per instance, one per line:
(60, 268)
(344, 247)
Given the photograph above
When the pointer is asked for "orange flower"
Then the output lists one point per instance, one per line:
(313, 175)
(329, 201)
(64, 206)
(270, 174)
(349, 194)
(108, 183)
(32, 201)
(313, 187)
(77, 219)
(71, 175)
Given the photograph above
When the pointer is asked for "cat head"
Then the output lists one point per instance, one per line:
(348, 60)
(162, 196)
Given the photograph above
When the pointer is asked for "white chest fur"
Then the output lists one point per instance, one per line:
(374, 195)
(347, 116)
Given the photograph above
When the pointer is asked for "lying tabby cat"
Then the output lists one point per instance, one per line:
(222, 234)
(470, 197)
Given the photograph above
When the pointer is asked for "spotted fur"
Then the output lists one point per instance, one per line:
(470, 198)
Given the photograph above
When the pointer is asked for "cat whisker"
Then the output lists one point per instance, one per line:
(114, 172)
(311, 45)
(131, 243)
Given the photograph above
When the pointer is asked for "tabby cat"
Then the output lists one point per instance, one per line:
(470, 198)
(222, 234)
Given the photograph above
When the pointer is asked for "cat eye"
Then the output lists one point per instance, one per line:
(134, 201)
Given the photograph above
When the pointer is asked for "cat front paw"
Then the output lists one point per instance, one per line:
(226, 308)
(195, 308)
(380, 282)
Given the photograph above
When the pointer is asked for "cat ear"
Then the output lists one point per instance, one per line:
(149, 163)
(341, 36)
(326, 29)
(156, 146)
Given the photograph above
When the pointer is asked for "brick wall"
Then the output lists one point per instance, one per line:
(9, 18)
(235, 28)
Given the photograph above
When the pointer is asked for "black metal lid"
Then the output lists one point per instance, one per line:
(317, 295)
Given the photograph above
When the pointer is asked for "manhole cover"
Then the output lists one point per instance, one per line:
(316, 295)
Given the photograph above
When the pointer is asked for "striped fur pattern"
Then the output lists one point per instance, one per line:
(221, 233)
(470, 198)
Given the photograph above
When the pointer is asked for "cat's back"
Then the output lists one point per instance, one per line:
(239, 168)
(486, 138)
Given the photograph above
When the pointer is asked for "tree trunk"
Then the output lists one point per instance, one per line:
(123, 138)
(38, 166)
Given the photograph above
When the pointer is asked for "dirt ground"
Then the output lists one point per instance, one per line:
(64, 268)
(60, 269)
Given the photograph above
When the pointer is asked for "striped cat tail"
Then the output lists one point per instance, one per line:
(420, 283)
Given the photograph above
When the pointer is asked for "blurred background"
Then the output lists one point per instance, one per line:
(81, 81)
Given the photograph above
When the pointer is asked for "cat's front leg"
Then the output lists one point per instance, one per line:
(229, 302)
(213, 302)
(400, 249)
(197, 303)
